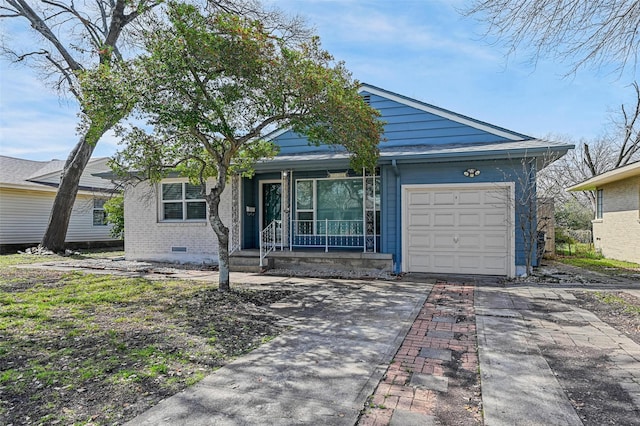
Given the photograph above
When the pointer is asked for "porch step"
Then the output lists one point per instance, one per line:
(248, 261)
(314, 260)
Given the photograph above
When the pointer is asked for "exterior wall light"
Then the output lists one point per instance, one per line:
(471, 172)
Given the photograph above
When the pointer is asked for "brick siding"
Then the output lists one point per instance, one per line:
(148, 238)
(617, 234)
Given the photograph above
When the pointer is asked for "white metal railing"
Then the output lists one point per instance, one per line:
(270, 239)
(327, 233)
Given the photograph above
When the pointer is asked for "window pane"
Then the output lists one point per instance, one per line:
(340, 199)
(98, 203)
(194, 192)
(305, 223)
(599, 204)
(172, 191)
(197, 210)
(304, 195)
(172, 211)
(99, 218)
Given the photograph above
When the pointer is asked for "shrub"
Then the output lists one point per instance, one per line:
(115, 215)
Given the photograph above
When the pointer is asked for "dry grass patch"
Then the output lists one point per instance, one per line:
(99, 349)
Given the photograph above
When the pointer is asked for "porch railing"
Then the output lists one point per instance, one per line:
(270, 239)
(327, 233)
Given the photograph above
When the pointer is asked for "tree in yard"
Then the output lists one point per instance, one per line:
(80, 48)
(215, 83)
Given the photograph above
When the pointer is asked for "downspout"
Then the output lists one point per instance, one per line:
(396, 171)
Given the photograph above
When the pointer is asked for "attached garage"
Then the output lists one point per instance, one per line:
(458, 229)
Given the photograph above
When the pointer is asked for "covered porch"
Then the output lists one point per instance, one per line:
(310, 212)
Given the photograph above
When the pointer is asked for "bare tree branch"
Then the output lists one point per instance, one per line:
(580, 32)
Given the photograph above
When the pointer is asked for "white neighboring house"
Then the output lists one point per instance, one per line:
(27, 191)
(616, 227)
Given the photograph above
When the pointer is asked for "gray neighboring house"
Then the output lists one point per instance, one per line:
(27, 191)
(616, 226)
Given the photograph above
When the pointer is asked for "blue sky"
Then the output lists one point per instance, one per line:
(423, 49)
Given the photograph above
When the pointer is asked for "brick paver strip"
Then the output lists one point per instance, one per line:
(416, 378)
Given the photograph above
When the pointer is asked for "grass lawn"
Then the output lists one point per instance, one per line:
(80, 349)
(583, 255)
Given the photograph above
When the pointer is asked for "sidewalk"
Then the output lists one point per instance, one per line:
(537, 350)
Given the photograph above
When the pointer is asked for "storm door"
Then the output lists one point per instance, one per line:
(271, 204)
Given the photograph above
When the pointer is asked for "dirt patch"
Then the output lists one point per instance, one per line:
(99, 350)
(621, 316)
(597, 397)
(583, 372)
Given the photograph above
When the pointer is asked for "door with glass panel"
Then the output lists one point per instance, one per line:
(271, 208)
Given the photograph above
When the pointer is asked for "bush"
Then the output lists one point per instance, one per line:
(115, 215)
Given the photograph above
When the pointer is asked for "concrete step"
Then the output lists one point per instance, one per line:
(373, 263)
(248, 262)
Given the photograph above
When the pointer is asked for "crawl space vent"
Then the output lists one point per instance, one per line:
(179, 249)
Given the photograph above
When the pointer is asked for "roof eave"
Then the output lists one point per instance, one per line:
(625, 172)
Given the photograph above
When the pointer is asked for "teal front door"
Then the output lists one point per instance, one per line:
(271, 202)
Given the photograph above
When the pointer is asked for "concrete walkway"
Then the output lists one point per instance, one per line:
(513, 323)
(343, 336)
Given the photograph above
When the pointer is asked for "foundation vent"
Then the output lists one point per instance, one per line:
(179, 249)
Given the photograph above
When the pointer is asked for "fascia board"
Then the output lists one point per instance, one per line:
(625, 172)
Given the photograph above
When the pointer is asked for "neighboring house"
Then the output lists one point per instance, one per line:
(441, 200)
(616, 227)
(27, 190)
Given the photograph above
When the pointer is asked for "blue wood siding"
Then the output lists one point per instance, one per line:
(406, 126)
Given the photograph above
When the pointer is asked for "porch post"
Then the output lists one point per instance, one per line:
(369, 212)
(284, 203)
(236, 199)
(364, 210)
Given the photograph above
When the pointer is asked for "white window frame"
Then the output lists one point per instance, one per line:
(314, 198)
(95, 209)
(183, 200)
(599, 204)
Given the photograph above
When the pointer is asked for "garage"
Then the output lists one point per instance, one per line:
(458, 229)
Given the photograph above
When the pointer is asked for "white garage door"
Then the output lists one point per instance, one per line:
(457, 229)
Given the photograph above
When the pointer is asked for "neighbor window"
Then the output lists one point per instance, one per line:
(183, 201)
(99, 215)
(599, 197)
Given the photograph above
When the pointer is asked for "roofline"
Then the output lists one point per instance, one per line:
(342, 158)
(57, 171)
(432, 109)
(624, 172)
(40, 187)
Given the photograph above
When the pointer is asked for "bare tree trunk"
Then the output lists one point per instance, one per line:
(56, 232)
(222, 232)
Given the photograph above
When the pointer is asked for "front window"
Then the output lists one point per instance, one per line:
(99, 215)
(334, 206)
(599, 199)
(183, 201)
